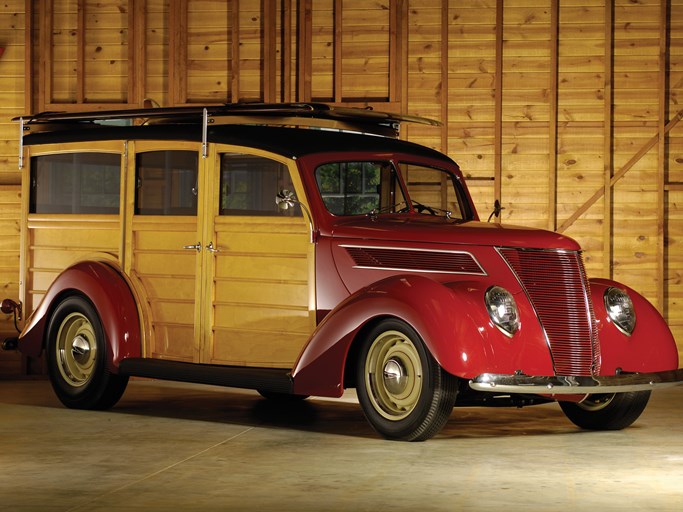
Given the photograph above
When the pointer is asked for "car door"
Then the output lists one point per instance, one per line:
(260, 285)
(164, 245)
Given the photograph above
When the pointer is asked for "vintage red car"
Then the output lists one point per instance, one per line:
(303, 249)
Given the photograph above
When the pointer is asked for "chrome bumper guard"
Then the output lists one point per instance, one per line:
(560, 385)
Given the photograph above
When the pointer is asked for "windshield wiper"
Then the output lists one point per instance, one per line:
(376, 211)
(431, 209)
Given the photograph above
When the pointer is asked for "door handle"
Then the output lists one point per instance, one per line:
(212, 249)
(197, 247)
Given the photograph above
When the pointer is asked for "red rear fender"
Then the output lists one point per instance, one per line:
(106, 288)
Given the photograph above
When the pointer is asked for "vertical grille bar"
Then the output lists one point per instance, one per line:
(556, 284)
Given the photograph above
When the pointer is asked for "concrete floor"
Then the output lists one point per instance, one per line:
(169, 446)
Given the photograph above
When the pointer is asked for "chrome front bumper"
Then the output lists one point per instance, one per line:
(559, 385)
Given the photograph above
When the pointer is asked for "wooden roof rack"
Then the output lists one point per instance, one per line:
(319, 115)
(309, 115)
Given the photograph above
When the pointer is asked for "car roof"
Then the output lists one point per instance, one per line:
(285, 141)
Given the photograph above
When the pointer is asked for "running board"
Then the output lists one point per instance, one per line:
(275, 380)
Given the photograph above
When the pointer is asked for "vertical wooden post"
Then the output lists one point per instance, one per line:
(137, 68)
(286, 93)
(444, 78)
(46, 54)
(234, 13)
(268, 44)
(80, 52)
(498, 117)
(338, 42)
(552, 118)
(28, 57)
(661, 154)
(608, 135)
(401, 61)
(177, 53)
(304, 74)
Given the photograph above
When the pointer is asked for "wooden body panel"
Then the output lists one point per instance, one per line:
(261, 313)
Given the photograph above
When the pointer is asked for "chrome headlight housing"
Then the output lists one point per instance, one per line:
(502, 309)
(620, 310)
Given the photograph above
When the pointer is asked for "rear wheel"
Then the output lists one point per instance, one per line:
(76, 357)
(607, 411)
(403, 391)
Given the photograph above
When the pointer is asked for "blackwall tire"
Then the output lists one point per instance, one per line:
(76, 357)
(402, 390)
(607, 412)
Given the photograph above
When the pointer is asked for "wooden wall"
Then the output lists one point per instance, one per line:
(565, 110)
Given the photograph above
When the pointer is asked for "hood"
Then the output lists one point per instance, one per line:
(431, 229)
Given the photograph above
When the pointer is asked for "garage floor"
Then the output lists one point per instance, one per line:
(169, 446)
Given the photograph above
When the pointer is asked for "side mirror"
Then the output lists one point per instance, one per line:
(497, 208)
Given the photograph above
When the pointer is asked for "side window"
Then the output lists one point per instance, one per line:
(76, 183)
(166, 183)
(356, 188)
(249, 185)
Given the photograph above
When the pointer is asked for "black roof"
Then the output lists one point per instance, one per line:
(285, 141)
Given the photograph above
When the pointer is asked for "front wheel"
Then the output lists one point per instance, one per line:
(76, 357)
(402, 390)
(607, 411)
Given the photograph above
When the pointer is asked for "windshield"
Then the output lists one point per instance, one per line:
(434, 191)
(362, 188)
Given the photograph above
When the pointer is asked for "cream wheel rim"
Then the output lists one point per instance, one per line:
(393, 375)
(76, 349)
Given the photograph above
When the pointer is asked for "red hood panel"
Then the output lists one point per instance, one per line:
(422, 228)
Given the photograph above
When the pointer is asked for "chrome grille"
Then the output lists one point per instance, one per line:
(556, 284)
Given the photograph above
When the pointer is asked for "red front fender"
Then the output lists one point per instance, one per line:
(451, 319)
(108, 291)
(651, 347)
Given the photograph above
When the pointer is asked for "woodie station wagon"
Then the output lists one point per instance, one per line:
(302, 249)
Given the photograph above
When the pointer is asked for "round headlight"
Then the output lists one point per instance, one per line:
(620, 310)
(502, 309)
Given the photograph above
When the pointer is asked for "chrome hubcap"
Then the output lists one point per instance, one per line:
(395, 379)
(80, 348)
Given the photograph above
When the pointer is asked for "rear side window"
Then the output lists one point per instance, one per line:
(166, 183)
(85, 183)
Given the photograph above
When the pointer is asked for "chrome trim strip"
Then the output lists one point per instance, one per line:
(205, 128)
(476, 261)
(569, 385)
(21, 143)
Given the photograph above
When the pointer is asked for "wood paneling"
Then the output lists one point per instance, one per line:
(567, 111)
